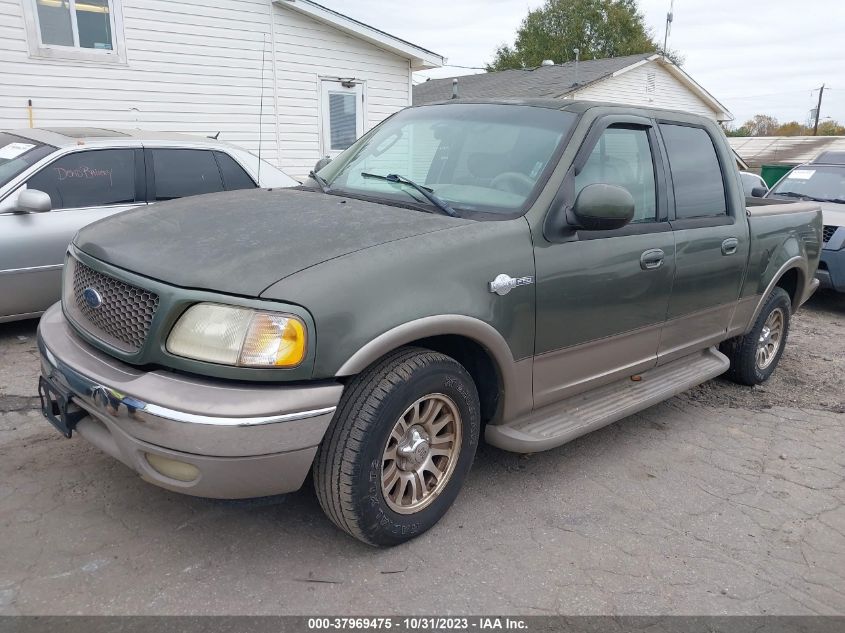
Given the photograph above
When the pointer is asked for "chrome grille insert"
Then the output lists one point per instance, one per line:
(112, 310)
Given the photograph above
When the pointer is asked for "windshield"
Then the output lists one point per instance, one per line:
(475, 157)
(817, 182)
(17, 153)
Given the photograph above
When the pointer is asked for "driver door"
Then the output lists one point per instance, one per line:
(602, 296)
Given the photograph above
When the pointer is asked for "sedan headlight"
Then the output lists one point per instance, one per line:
(237, 336)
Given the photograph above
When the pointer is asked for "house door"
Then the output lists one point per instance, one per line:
(342, 115)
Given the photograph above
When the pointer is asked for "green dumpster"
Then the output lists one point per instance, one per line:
(772, 173)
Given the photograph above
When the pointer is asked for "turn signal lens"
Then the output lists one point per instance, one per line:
(273, 339)
(231, 335)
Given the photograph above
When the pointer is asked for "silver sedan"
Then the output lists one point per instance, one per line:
(55, 181)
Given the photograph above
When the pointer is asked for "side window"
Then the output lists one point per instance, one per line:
(622, 157)
(234, 176)
(696, 173)
(92, 178)
(185, 172)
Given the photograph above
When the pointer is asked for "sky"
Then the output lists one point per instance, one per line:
(755, 56)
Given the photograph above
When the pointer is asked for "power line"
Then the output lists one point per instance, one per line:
(772, 94)
(466, 67)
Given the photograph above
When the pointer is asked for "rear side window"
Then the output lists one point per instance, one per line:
(696, 173)
(92, 178)
(185, 172)
(234, 176)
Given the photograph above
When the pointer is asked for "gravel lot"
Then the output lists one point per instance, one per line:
(725, 500)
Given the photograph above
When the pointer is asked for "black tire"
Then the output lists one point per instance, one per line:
(742, 350)
(348, 466)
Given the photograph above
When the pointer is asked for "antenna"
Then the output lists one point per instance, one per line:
(669, 17)
(261, 107)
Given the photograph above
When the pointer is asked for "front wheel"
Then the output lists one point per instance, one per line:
(399, 448)
(754, 356)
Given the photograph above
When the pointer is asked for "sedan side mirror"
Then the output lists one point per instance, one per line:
(322, 163)
(33, 201)
(601, 207)
(759, 192)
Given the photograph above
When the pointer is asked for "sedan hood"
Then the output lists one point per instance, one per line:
(833, 214)
(244, 241)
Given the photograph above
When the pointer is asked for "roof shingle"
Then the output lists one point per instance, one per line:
(541, 82)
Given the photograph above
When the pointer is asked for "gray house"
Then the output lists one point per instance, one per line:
(646, 79)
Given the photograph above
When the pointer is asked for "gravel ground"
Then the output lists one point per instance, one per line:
(725, 500)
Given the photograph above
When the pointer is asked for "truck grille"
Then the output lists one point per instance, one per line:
(828, 232)
(124, 314)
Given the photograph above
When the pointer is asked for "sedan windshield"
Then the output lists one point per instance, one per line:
(815, 182)
(474, 157)
(17, 153)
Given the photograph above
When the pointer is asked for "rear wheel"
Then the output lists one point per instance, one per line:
(755, 356)
(399, 448)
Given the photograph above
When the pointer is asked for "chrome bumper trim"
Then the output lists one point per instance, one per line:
(181, 416)
(112, 399)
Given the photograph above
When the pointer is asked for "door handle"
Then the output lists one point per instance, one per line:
(651, 259)
(729, 246)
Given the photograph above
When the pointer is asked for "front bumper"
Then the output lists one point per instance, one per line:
(238, 439)
(831, 272)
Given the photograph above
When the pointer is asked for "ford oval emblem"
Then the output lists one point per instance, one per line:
(92, 298)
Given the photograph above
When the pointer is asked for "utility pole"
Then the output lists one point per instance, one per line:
(818, 112)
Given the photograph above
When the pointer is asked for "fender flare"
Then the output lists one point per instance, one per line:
(513, 381)
(793, 262)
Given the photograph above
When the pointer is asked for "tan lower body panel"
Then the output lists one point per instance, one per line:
(567, 372)
(211, 476)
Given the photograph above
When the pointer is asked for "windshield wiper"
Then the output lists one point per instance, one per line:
(425, 191)
(324, 185)
(833, 200)
(791, 194)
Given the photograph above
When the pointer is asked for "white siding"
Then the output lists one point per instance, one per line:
(632, 87)
(194, 66)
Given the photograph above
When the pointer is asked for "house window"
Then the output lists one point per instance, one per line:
(75, 29)
(342, 115)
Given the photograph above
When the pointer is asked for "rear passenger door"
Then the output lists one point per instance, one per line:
(711, 238)
(179, 173)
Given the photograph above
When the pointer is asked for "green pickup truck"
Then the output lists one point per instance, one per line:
(527, 271)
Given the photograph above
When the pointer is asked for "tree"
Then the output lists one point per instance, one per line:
(762, 125)
(740, 131)
(597, 28)
(831, 128)
(793, 128)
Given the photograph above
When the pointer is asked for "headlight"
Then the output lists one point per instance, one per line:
(238, 336)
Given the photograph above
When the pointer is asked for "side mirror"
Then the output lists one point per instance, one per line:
(325, 160)
(33, 201)
(601, 207)
(759, 192)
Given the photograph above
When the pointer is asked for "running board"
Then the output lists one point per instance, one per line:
(559, 423)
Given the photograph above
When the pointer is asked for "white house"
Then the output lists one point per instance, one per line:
(647, 79)
(298, 78)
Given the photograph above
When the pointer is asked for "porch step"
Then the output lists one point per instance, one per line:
(559, 423)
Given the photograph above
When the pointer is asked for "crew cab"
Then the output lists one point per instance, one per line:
(527, 271)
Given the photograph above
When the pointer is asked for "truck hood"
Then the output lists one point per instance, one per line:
(241, 242)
